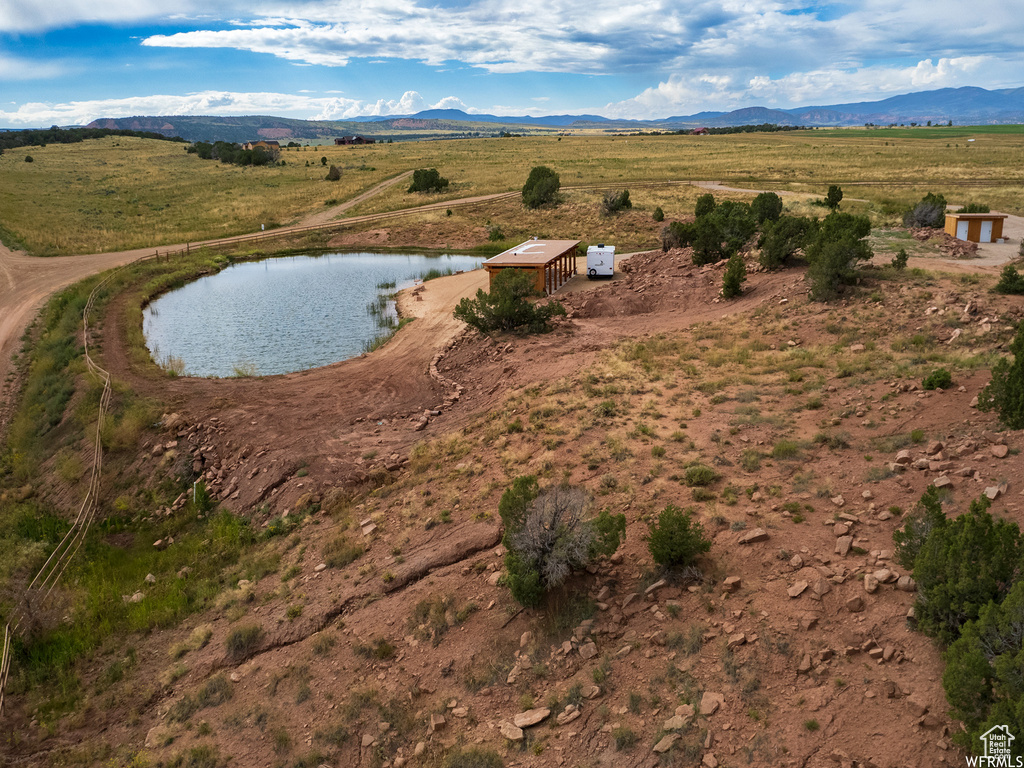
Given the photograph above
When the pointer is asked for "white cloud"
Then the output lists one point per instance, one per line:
(38, 15)
(217, 103)
(14, 68)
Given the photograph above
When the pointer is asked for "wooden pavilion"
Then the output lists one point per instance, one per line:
(552, 262)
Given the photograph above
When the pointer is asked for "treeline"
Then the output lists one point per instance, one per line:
(228, 152)
(762, 128)
(832, 246)
(40, 137)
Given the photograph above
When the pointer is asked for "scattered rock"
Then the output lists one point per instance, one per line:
(655, 587)
(666, 743)
(1000, 451)
(588, 650)
(511, 732)
(731, 584)
(754, 536)
(570, 713)
(531, 717)
(870, 583)
(855, 604)
(710, 703)
(906, 584)
(917, 704)
(437, 722)
(797, 589)
(843, 545)
(737, 640)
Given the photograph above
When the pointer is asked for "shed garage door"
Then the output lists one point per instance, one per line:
(986, 232)
(961, 230)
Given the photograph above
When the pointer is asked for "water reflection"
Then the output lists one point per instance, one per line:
(284, 314)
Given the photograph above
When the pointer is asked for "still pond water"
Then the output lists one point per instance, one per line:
(285, 314)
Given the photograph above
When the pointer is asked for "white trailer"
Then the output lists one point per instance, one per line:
(600, 261)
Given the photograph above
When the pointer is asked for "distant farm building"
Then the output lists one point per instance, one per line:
(261, 145)
(346, 140)
(975, 227)
(552, 262)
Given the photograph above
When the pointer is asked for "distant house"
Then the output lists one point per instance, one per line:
(346, 140)
(262, 144)
(700, 132)
(975, 227)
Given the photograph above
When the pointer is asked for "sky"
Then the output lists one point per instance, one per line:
(67, 62)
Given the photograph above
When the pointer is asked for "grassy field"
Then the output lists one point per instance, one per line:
(120, 193)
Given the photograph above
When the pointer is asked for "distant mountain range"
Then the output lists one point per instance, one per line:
(962, 106)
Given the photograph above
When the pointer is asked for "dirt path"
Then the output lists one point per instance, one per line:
(324, 217)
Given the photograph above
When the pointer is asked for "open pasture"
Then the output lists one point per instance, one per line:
(122, 193)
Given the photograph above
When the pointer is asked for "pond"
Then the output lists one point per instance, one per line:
(284, 314)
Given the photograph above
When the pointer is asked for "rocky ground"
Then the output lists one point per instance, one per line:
(379, 632)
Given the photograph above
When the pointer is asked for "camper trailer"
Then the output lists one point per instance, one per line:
(600, 261)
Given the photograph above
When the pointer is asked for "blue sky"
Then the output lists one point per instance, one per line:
(71, 61)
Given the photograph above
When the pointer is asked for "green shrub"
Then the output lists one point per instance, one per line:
(541, 187)
(782, 239)
(334, 174)
(705, 205)
(1010, 281)
(984, 677)
(427, 180)
(930, 212)
(244, 641)
(676, 539)
(699, 474)
(678, 234)
(1004, 392)
(899, 261)
(767, 206)
(962, 565)
(940, 378)
(547, 537)
(472, 757)
(833, 197)
(616, 201)
(786, 449)
(927, 516)
(834, 253)
(625, 738)
(975, 208)
(734, 277)
(506, 308)
(659, 215)
(341, 550)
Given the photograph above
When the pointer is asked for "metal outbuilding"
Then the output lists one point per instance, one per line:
(975, 227)
(552, 262)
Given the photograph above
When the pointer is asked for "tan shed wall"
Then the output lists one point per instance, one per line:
(974, 228)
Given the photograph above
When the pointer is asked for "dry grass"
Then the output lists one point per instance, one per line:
(118, 193)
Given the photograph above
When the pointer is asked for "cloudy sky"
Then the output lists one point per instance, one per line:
(71, 61)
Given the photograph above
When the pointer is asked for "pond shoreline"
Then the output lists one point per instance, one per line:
(286, 313)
